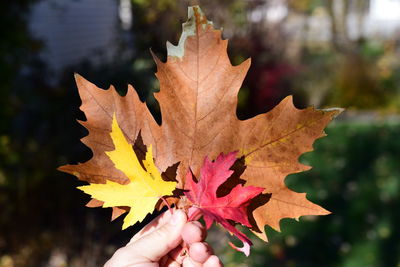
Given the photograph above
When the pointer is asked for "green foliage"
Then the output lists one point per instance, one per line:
(356, 176)
(305, 6)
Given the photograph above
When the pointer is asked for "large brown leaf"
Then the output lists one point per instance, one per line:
(198, 99)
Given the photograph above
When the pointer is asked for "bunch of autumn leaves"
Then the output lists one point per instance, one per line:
(240, 165)
(147, 187)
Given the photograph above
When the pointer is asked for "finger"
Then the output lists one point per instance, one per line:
(173, 258)
(172, 264)
(160, 242)
(213, 261)
(155, 224)
(168, 261)
(193, 232)
(188, 262)
(200, 252)
(177, 254)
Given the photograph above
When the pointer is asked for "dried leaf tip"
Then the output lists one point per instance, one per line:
(196, 19)
(335, 111)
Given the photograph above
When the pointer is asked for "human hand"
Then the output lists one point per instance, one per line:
(160, 244)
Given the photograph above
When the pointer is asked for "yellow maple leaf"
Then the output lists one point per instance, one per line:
(143, 191)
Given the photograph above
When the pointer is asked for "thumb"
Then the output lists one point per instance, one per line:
(161, 241)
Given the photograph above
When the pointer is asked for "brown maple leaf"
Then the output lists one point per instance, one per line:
(198, 99)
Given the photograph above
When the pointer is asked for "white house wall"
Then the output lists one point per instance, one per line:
(74, 30)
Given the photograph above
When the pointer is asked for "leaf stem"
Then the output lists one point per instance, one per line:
(167, 204)
(194, 213)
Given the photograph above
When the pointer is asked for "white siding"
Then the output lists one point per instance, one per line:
(384, 18)
(74, 30)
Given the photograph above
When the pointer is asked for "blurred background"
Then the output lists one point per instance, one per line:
(326, 53)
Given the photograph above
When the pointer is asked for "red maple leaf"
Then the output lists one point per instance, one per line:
(232, 206)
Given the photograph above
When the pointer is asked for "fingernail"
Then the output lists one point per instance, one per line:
(176, 217)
